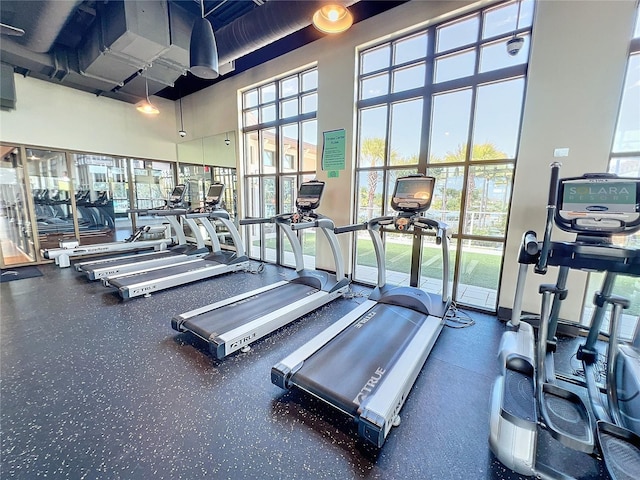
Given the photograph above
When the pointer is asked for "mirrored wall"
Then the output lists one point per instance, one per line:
(48, 196)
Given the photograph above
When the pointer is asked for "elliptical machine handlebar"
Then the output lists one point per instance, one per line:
(541, 266)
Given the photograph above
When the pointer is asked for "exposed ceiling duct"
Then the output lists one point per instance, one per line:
(274, 20)
(122, 39)
(41, 20)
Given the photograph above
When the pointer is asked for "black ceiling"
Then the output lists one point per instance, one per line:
(71, 35)
(224, 12)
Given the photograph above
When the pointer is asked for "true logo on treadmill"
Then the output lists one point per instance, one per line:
(369, 386)
(242, 341)
(144, 289)
(365, 319)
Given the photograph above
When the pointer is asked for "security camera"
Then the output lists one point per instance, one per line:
(227, 142)
(514, 45)
(182, 133)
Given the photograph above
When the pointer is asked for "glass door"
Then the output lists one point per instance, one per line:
(16, 229)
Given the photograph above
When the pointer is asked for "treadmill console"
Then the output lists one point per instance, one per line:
(214, 194)
(413, 194)
(598, 204)
(177, 195)
(309, 195)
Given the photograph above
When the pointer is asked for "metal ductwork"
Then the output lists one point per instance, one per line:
(128, 37)
(41, 20)
(274, 20)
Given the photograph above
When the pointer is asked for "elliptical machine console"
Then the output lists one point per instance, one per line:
(599, 205)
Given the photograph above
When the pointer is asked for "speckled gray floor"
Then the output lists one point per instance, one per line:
(95, 388)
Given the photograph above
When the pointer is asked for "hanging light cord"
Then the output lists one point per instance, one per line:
(517, 18)
(146, 85)
(181, 122)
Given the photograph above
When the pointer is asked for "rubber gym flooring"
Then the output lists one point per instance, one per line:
(93, 388)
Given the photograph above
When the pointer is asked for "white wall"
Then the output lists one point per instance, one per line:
(576, 72)
(58, 117)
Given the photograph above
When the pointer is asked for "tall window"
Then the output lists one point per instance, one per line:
(625, 161)
(445, 101)
(280, 151)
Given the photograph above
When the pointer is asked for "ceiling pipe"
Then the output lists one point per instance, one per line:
(42, 21)
(261, 26)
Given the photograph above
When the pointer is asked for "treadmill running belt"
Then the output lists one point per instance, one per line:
(127, 259)
(153, 275)
(338, 372)
(230, 316)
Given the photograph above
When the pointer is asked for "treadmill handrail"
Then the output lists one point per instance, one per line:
(317, 223)
(351, 228)
(375, 223)
(441, 228)
(165, 213)
(218, 214)
(254, 221)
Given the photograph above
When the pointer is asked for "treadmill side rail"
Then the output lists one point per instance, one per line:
(195, 274)
(281, 373)
(83, 266)
(178, 320)
(379, 410)
(239, 337)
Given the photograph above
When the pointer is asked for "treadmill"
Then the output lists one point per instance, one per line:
(366, 363)
(182, 253)
(134, 243)
(188, 269)
(233, 324)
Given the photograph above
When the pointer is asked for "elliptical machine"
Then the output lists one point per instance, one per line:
(527, 395)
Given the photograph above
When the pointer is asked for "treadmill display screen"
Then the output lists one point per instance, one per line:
(309, 195)
(177, 191)
(214, 192)
(413, 193)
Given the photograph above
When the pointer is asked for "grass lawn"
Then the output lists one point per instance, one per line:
(479, 269)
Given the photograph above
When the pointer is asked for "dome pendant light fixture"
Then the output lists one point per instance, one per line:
(203, 52)
(145, 106)
(332, 18)
(515, 43)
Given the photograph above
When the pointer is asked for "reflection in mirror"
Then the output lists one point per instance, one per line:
(16, 238)
(101, 189)
(51, 190)
(205, 160)
(217, 151)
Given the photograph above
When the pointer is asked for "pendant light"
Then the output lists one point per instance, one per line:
(203, 53)
(145, 106)
(515, 43)
(332, 18)
(182, 132)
